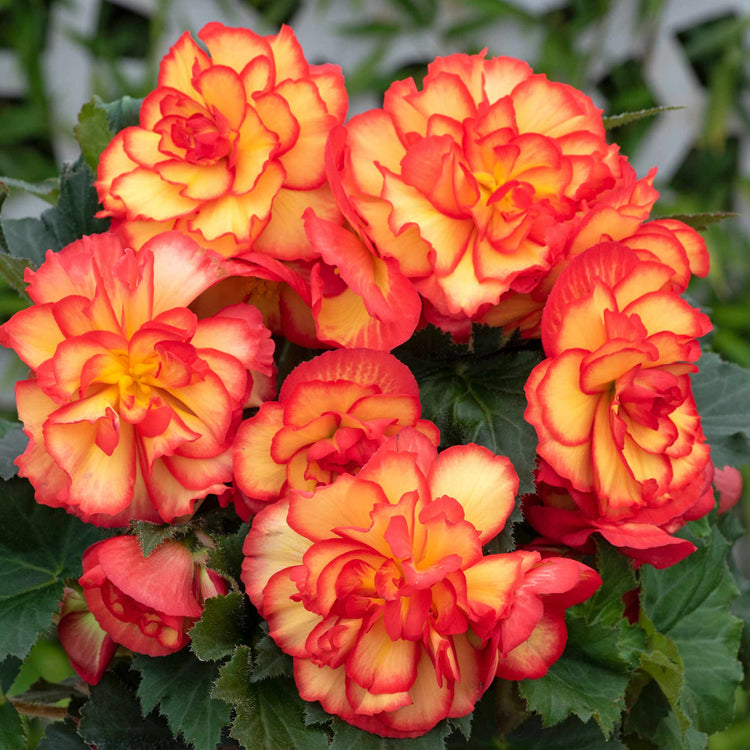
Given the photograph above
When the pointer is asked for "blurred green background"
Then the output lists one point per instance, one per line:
(627, 54)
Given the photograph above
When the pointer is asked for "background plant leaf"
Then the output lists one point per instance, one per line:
(180, 686)
(689, 604)
(112, 719)
(268, 715)
(39, 548)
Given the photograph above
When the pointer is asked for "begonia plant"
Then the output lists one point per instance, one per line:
(401, 429)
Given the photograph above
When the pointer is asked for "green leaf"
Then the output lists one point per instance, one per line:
(572, 734)
(590, 678)
(8, 671)
(151, 535)
(122, 113)
(72, 218)
(722, 394)
(616, 121)
(39, 548)
(92, 132)
(270, 661)
(689, 603)
(268, 715)
(48, 190)
(345, 736)
(112, 720)
(220, 628)
(479, 398)
(180, 686)
(12, 444)
(226, 559)
(11, 728)
(701, 221)
(606, 606)
(12, 270)
(62, 736)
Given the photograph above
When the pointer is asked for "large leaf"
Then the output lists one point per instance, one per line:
(722, 393)
(11, 728)
(689, 604)
(572, 734)
(39, 548)
(268, 714)
(112, 720)
(62, 736)
(475, 394)
(180, 686)
(72, 218)
(591, 677)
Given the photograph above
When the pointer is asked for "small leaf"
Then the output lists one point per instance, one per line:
(702, 221)
(270, 661)
(122, 113)
(112, 720)
(180, 686)
(48, 190)
(12, 444)
(220, 628)
(269, 714)
(92, 132)
(616, 121)
(151, 535)
(226, 559)
(39, 548)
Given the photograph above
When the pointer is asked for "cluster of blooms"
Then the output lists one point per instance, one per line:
(242, 205)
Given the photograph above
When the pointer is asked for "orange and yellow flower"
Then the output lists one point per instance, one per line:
(472, 184)
(133, 402)
(332, 414)
(230, 146)
(612, 405)
(377, 585)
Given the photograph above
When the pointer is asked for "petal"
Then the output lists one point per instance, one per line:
(484, 484)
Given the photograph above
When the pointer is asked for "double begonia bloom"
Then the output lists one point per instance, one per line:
(147, 604)
(134, 402)
(378, 588)
(89, 648)
(612, 404)
(230, 146)
(470, 184)
(332, 414)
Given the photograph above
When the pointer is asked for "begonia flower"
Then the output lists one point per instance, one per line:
(612, 404)
(473, 184)
(377, 586)
(332, 414)
(230, 145)
(133, 402)
(89, 648)
(147, 604)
